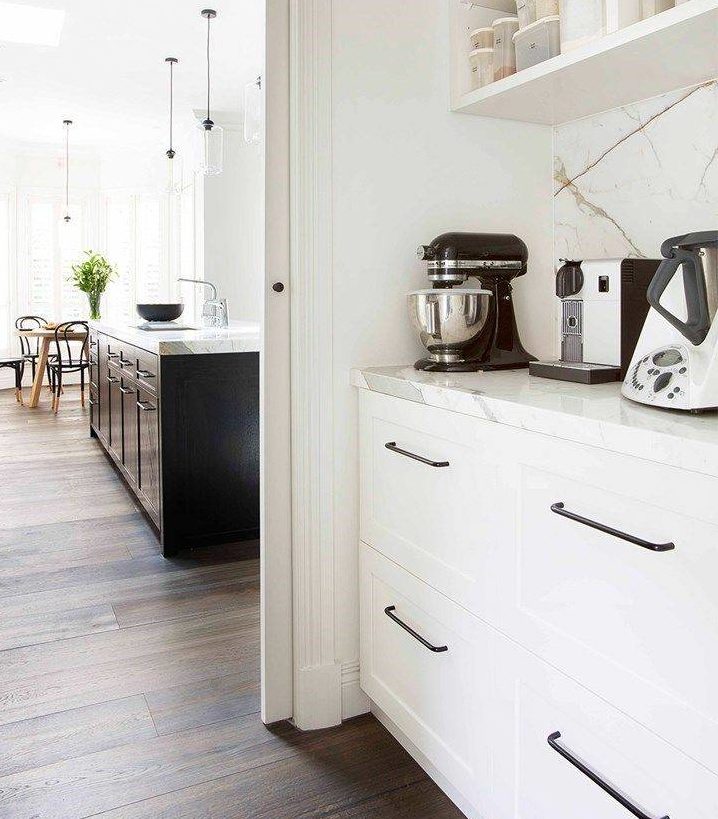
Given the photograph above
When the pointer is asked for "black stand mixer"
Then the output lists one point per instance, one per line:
(494, 344)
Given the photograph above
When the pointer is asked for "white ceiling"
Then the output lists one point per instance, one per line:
(109, 76)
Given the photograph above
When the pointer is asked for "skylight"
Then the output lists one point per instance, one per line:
(30, 24)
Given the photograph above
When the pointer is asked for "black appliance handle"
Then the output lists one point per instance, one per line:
(394, 448)
(145, 406)
(560, 509)
(389, 611)
(594, 777)
(683, 252)
(144, 374)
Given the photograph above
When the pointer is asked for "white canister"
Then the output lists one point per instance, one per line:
(651, 7)
(482, 67)
(504, 52)
(529, 11)
(538, 42)
(482, 38)
(581, 22)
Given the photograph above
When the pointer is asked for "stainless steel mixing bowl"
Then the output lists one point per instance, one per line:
(448, 320)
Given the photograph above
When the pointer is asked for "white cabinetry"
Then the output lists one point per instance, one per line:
(603, 566)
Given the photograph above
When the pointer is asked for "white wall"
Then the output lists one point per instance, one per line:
(405, 169)
(233, 214)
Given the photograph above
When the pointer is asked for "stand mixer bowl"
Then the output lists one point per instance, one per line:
(449, 320)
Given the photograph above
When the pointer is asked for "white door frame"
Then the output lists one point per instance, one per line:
(301, 677)
(277, 667)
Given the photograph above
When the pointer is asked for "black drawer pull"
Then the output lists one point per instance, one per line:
(92, 401)
(559, 509)
(145, 406)
(394, 448)
(93, 361)
(113, 355)
(127, 390)
(594, 777)
(145, 374)
(389, 611)
(125, 362)
(112, 379)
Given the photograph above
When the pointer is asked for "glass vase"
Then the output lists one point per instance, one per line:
(94, 299)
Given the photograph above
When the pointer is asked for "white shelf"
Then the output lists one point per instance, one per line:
(675, 49)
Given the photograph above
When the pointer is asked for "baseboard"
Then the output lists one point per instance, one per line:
(354, 700)
(318, 697)
(456, 797)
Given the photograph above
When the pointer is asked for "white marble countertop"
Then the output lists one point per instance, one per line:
(596, 415)
(239, 337)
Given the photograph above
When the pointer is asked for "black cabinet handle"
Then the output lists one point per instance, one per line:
(145, 406)
(112, 379)
(389, 611)
(594, 777)
(92, 402)
(394, 448)
(125, 362)
(113, 355)
(145, 374)
(559, 509)
(127, 390)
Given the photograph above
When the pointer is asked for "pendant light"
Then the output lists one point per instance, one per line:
(212, 135)
(174, 180)
(67, 123)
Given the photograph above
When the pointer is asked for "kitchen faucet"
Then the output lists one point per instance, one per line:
(214, 310)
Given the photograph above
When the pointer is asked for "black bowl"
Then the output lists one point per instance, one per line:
(160, 312)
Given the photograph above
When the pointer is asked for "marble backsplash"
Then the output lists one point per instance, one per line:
(627, 179)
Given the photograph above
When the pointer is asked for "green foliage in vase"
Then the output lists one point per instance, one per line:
(92, 275)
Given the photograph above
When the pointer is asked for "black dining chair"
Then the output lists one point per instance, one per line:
(30, 346)
(71, 356)
(17, 363)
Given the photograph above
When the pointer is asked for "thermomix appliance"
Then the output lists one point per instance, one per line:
(675, 364)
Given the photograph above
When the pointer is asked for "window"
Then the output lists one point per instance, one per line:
(52, 246)
(6, 341)
(136, 230)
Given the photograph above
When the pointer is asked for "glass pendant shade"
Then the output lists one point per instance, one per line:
(211, 149)
(174, 174)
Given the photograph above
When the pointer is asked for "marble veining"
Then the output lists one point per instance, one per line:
(596, 415)
(239, 337)
(627, 179)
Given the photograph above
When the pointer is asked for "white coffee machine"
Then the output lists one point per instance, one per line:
(675, 364)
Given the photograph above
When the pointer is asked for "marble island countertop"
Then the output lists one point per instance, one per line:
(239, 337)
(596, 415)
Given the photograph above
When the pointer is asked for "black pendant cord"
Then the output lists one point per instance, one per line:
(67, 123)
(171, 60)
(209, 14)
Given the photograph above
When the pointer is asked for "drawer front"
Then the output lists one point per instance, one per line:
(552, 735)
(430, 493)
(147, 371)
(615, 573)
(434, 691)
(148, 451)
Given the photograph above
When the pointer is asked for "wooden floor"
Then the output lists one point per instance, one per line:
(129, 684)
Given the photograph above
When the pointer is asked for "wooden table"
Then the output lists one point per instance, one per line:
(46, 337)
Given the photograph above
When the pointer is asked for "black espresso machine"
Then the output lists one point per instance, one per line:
(468, 330)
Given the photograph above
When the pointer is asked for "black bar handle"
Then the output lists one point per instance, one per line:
(145, 406)
(594, 777)
(112, 379)
(394, 448)
(145, 374)
(113, 355)
(560, 509)
(127, 390)
(389, 611)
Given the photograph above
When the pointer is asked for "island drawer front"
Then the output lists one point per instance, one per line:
(532, 702)
(435, 695)
(614, 579)
(147, 370)
(431, 496)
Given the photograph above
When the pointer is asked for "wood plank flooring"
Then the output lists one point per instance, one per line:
(129, 684)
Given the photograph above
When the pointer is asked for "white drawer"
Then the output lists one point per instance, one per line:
(434, 691)
(533, 780)
(439, 516)
(632, 610)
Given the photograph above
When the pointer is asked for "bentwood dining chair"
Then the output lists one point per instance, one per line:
(30, 347)
(17, 363)
(71, 356)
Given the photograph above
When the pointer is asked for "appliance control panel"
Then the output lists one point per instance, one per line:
(660, 378)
